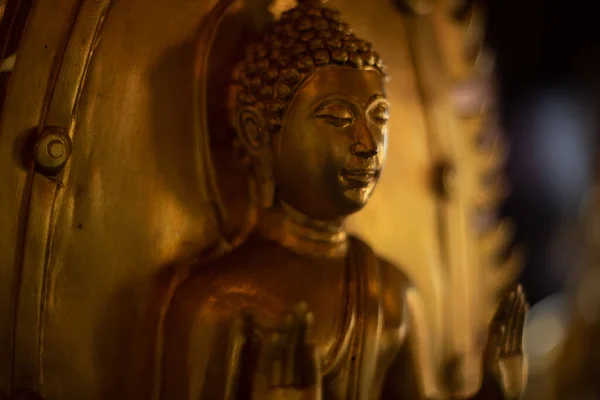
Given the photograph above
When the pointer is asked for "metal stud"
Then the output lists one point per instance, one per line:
(52, 150)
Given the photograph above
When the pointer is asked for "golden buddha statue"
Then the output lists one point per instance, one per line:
(300, 309)
(103, 155)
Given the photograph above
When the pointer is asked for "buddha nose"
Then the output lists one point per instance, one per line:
(366, 146)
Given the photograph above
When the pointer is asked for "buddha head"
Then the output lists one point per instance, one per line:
(310, 112)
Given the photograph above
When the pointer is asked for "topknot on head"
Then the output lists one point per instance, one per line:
(306, 37)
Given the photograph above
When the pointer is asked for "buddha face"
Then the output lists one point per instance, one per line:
(328, 155)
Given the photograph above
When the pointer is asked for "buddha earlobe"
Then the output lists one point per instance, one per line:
(255, 140)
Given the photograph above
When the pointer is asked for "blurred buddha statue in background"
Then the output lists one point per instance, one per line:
(575, 371)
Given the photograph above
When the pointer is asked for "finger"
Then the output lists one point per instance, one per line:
(501, 340)
(512, 323)
(301, 310)
(514, 306)
(289, 350)
(304, 327)
(505, 309)
(304, 350)
(518, 342)
(502, 319)
(304, 319)
(517, 315)
(307, 363)
(275, 373)
(512, 313)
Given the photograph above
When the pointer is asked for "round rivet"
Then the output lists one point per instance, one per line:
(52, 150)
(445, 179)
(56, 149)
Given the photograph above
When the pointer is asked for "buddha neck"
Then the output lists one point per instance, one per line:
(302, 234)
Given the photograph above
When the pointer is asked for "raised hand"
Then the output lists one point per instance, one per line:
(506, 360)
(290, 361)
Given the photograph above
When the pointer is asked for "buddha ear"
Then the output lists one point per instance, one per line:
(251, 131)
(254, 137)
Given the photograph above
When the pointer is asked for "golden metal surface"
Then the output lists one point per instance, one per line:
(21, 114)
(151, 179)
(45, 194)
(104, 351)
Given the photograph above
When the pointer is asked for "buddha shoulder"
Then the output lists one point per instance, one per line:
(394, 287)
(202, 316)
(219, 289)
(261, 277)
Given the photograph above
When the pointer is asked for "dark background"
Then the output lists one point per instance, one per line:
(548, 66)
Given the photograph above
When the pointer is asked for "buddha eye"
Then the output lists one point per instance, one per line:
(380, 115)
(339, 122)
(336, 115)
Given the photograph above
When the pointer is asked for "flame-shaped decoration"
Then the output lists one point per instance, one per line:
(443, 192)
(475, 242)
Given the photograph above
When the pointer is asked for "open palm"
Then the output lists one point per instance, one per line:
(506, 360)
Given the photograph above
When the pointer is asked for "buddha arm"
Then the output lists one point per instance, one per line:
(213, 353)
(490, 390)
(508, 384)
(402, 380)
(205, 347)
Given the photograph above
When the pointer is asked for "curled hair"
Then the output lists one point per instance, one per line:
(304, 38)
